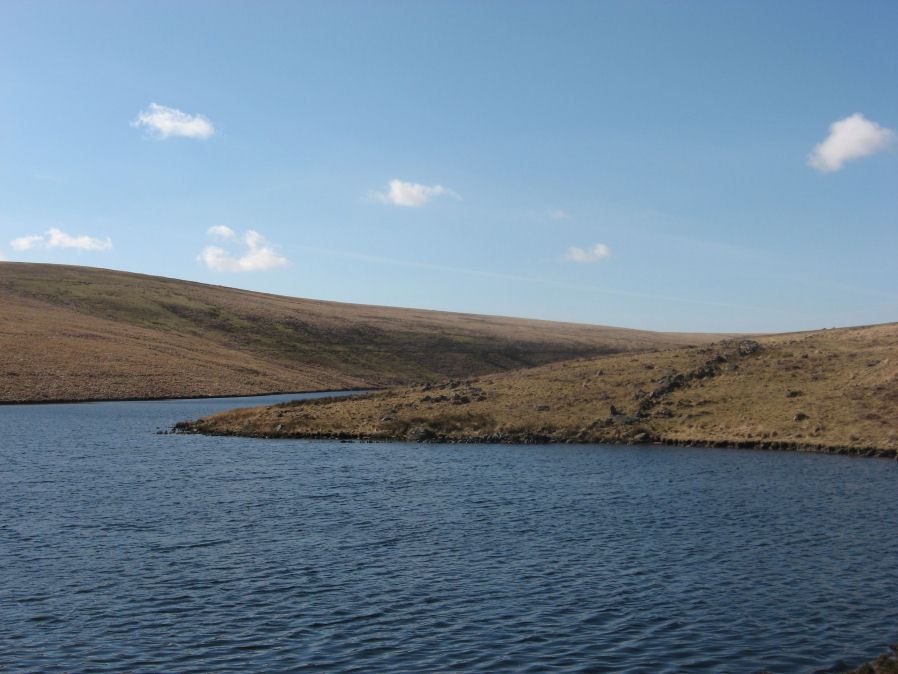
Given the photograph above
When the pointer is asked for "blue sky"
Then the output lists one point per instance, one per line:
(640, 164)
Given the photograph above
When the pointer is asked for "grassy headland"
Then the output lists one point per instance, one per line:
(76, 333)
(831, 390)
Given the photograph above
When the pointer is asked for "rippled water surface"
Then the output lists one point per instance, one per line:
(126, 551)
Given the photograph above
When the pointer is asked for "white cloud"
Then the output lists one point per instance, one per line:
(850, 138)
(164, 122)
(593, 254)
(56, 238)
(59, 239)
(27, 242)
(257, 255)
(558, 214)
(223, 231)
(412, 194)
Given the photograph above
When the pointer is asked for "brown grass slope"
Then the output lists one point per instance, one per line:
(76, 333)
(833, 390)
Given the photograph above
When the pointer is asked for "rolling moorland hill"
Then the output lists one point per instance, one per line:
(831, 390)
(77, 333)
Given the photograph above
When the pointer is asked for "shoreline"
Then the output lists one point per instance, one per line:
(887, 663)
(190, 428)
(83, 401)
(830, 393)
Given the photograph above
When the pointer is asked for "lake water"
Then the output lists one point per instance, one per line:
(122, 550)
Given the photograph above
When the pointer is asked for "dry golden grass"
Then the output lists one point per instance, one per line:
(76, 333)
(832, 390)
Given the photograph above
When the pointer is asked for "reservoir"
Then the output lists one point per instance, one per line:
(126, 550)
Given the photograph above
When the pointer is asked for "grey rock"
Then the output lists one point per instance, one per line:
(420, 435)
(748, 346)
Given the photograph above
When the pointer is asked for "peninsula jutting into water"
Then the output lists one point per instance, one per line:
(832, 391)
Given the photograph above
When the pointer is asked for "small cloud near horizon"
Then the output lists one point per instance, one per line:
(163, 122)
(414, 195)
(558, 214)
(56, 238)
(258, 254)
(592, 254)
(853, 137)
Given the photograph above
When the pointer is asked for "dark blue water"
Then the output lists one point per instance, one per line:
(126, 551)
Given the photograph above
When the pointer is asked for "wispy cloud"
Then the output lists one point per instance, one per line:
(223, 231)
(851, 138)
(56, 238)
(530, 279)
(558, 214)
(163, 122)
(256, 254)
(400, 193)
(592, 254)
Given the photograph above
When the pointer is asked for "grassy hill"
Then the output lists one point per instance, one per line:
(76, 333)
(832, 390)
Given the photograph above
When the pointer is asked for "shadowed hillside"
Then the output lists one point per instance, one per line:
(832, 390)
(77, 333)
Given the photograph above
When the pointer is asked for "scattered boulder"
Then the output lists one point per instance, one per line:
(707, 370)
(419, 434)
(799, 416)
(793, 393)
(747, 347)
(542, 408)
(668, 384)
